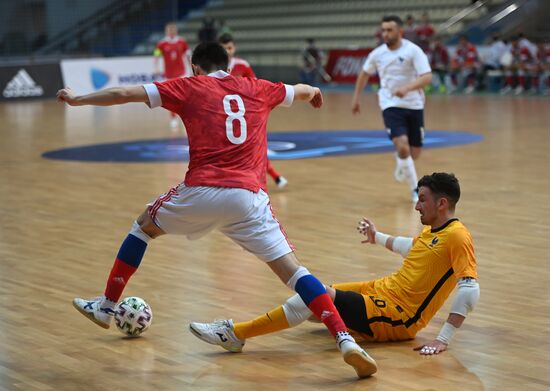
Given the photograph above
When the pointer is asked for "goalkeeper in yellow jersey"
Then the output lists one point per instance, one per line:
(398, 306)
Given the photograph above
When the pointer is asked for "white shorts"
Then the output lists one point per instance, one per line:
(242, 215)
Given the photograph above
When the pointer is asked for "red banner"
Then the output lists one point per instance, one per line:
(344, 65)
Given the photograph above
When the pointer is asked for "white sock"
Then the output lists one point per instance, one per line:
(407, 165)
(138, 233)
(296, 311)
(345, 342)
(397, 160)
(108, 303)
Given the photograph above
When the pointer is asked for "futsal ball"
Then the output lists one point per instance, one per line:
(133, 316)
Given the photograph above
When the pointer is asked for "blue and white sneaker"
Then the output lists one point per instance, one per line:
(219, 332)
(95, 310)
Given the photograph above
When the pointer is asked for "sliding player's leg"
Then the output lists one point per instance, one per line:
(100, 310)
(257, 230)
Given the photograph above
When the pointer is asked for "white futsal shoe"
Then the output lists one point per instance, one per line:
(519, 90)
(94, 310)
(219, 332)
(355, 355)
(399, 174)
(505, 90)
(468, 90)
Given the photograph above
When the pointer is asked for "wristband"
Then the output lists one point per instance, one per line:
(446, 333)
(381, 238)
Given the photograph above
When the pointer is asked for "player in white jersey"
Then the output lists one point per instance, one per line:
(404, 71)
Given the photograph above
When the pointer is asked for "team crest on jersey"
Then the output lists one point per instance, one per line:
(281, 146)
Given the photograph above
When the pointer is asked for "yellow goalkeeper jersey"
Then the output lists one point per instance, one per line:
(430, 272)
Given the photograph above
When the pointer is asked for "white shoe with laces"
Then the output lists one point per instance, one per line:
(468, 90)
(505, 90)
(219, 332)
(355, 355)
(95, 310)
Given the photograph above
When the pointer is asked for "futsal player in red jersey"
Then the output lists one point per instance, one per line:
(172, 48)
(224, 187)
(464, 65)
(523, 64)
(240, 67)
(424, 32)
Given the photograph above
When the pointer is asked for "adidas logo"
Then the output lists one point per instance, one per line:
(21, 85)
(325, 314)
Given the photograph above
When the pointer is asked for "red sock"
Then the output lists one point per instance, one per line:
(323, 308)
(271, 171)
(509, 81)
(521, 80)
(119, 276)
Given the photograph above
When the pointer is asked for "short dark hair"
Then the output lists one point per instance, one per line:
(225, 38)
(442, 184)
(393, 18)
(210, 56)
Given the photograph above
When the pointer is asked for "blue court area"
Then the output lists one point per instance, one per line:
(282, 146)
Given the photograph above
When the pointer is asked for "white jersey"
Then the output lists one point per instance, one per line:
(395, 69)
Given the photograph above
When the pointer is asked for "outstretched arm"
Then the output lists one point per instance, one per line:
(398, 244)
(107, 97)
(309, 94)
(466, 297)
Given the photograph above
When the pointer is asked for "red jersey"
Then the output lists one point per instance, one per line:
(521, 54)
(438, 56)
(240, 67)
(543, 54)
(425, 32)
(466, 54)
(172, 51)
(226, 119)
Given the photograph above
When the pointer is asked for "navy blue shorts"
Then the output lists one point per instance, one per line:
(399, 122)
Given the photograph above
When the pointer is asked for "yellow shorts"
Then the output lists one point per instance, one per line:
(374, 317)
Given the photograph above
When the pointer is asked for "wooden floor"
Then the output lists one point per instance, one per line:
(62, 224)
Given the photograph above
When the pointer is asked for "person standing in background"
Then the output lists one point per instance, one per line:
(409, 30)
(424, 32)
(439, 61)
(173, 49)
(312, 60)
(404, 71)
